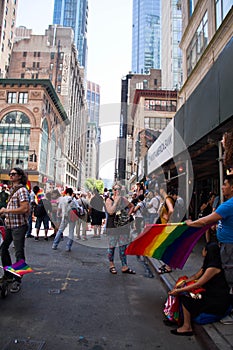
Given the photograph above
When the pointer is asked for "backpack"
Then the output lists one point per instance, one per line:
(39, 209)
(144, 210)
(74, 212)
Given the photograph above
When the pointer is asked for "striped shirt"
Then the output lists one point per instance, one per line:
(16, 220)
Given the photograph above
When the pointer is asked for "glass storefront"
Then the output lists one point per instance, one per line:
(14, 140)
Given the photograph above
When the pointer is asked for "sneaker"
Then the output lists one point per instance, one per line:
(227, 320)
(15, 287)
(84, 238)
(29, 236)
(46, 238)
(54, 247)
(78, 238)
(36, 238)
(68, 249)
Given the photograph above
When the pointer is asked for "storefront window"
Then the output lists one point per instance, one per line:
(222, 7)
(14, 140)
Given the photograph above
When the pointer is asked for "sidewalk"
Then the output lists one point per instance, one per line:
(214, 336)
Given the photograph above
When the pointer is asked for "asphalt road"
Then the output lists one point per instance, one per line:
(72, 302)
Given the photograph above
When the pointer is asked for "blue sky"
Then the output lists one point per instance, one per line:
(109, 39)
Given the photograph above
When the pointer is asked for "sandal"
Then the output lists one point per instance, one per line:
(131, 272)
(113, 270)
(163, 269)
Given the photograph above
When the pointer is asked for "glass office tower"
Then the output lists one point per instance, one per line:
(146, 36)
(74, 14)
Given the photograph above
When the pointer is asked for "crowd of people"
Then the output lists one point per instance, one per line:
(123, 216)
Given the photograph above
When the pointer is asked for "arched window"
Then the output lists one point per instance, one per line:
(14, 140)
(44, 146)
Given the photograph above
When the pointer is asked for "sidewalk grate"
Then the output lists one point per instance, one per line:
(25, 344)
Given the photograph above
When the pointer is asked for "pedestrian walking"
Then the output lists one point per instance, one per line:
(4, 195)
(65, 206)
(16, 223)
(82, 223)
(42, 211)
(97, 213)
(118, 235)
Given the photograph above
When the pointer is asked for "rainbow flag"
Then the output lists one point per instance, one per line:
(20, 268)
(40, 195)
(171, 243)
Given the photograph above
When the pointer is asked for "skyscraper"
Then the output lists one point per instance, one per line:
(145, 36)
(74, 14)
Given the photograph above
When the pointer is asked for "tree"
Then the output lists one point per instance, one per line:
(91, 184)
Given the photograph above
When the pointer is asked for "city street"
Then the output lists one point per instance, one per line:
(73, 302)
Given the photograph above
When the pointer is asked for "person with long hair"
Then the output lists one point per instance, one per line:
(118, 235)
(16, 222)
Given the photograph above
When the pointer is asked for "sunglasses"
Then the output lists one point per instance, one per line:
(13, 174)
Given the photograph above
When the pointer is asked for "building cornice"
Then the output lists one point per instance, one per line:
(46, 84)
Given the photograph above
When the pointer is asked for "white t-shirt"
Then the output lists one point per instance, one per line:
(155, 202)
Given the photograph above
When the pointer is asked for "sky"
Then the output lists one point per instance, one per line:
(109, 57)
(109, 39)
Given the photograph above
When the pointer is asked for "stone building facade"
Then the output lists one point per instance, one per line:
(32, 125)
(53, 56)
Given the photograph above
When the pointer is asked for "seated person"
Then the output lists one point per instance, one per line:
(216, 298)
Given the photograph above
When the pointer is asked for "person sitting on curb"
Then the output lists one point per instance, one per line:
(214, 300)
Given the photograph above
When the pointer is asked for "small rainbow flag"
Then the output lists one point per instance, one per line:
(171, 243)
(20, 268)
(40, 195)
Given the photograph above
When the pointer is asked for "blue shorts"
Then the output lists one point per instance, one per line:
(45, 220)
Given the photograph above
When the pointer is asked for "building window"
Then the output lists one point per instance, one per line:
(14, 140)
(24, 54)
(59, 88)
(38, 64)
(11, 97)
(61, 55)
(222, 7)
(160, 105)
(52, 55)
(60, 66)
(34, 64)
(156, 123)
(22, 75)
(23, 97)
(51, 66)
(198, 44)
(23, 64)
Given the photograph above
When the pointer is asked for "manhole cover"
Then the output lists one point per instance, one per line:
(25, 344)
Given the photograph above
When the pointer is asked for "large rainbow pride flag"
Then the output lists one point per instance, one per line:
(20, 268)
(171, 243)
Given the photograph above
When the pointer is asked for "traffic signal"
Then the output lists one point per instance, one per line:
(33, 158)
